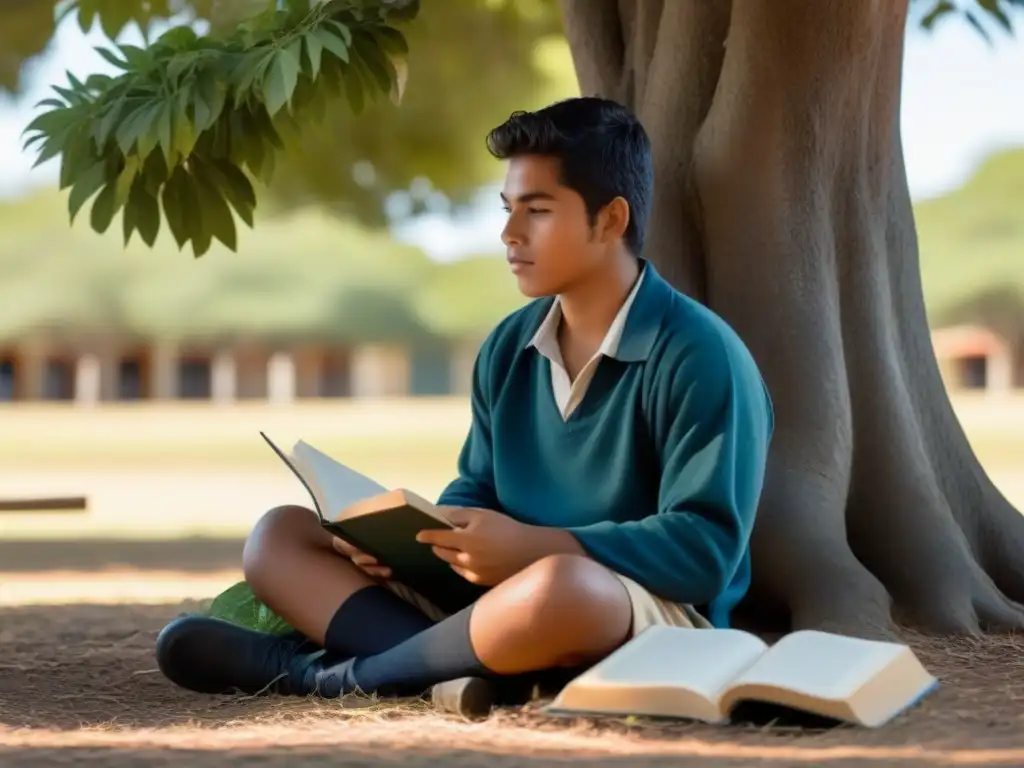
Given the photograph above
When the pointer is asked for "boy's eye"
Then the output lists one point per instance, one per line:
(539, 210)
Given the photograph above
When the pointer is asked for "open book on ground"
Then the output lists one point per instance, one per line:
(703, 674)
(380, 522)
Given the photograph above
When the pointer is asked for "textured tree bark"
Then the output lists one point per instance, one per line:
(782, 203)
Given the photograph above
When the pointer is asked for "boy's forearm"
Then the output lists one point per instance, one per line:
(547, 541)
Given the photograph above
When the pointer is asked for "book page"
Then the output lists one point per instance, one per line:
(304, 476)
(820, 664)
(339, 485)
(704, 661)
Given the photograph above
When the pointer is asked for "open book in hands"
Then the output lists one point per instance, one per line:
(703, 674)
(380, 522)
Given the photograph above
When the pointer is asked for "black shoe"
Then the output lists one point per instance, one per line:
(210, 655)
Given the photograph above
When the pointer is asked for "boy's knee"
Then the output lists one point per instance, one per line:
(284, 526)
(561, 587)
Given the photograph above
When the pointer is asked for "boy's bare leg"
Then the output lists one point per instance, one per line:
(291, 565)
(561, 611)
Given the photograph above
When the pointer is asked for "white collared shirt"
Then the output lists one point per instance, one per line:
(569, 394)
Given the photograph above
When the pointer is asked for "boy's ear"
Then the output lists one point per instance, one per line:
(613, 220)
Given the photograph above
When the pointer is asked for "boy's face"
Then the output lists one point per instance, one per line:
(549, 240)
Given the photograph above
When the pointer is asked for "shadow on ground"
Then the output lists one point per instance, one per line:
(192, 555)
(78, 685)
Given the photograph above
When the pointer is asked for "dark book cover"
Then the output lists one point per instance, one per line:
(389, 535)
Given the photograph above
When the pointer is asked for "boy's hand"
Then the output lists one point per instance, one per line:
(487, 547)
(364, 562)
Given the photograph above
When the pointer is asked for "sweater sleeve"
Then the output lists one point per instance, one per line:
(711, 422)
(474, 486)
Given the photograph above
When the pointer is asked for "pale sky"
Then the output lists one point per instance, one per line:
(962, 99)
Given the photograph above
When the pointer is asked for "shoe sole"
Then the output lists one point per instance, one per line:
(469, 697)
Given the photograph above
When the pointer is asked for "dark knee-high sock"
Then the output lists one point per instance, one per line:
(371, 621)
(442, 652)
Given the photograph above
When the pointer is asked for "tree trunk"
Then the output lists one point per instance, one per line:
(782, 203)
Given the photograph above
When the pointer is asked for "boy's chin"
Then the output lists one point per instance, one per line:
(535, 289)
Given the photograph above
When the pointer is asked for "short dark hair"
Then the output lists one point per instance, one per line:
(603, 150)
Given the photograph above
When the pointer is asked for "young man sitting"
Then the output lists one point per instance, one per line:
(609, 480)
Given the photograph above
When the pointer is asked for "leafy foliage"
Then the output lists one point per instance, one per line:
(239, 605)
(471, 63)
(973, 12)
(192, 117)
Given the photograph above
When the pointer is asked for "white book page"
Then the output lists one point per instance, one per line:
(705, 661)
(821, 664)
(338, 485)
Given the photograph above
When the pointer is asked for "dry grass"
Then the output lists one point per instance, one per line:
(78, 682)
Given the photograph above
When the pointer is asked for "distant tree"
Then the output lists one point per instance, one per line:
(782, 203)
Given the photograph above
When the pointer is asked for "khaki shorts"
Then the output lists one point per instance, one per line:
(648, 610)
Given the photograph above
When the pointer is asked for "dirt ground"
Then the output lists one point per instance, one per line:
(78, 685)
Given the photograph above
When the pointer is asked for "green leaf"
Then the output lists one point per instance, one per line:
(262, 123)
(138, 58)
(207, 101)
(125, 179)
(114, 17)
(86, 17)
(77, 157)
(154, 173)
(138, 129)
(344, 31)
(217, 218)
(86, 185)
(146, 211)
(179, 38)
(370, 55)
(941, 9)
(103, 209)
(280, 81)
(107, 54)
(332, 43)
(180, 66)
(184, 132)
(354, 88)
(392, 41)
(128, 215)
(174, 204)
(236, 187)
(314, 50)
(166, 132)
(978, 27)
(993, 8)
(56, 103)
(51, 148)
(98, 82)
(52, 121)
(105, 125)
(239, 605)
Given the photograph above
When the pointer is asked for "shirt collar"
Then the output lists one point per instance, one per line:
(620, 341)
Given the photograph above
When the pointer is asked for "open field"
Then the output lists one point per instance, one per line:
(192, 470)
(82, 597)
